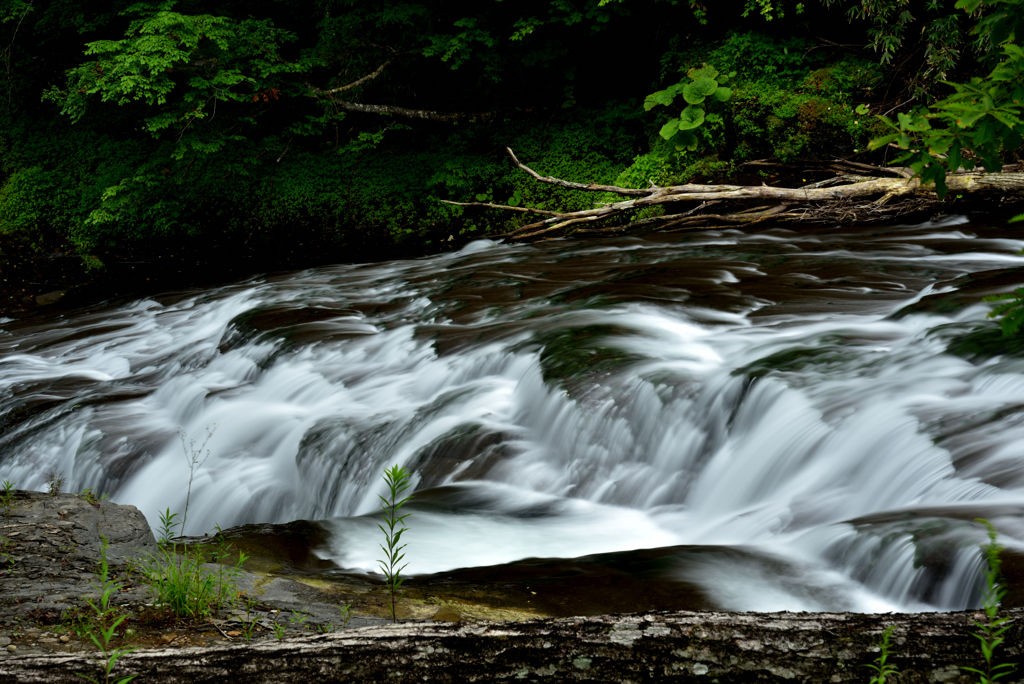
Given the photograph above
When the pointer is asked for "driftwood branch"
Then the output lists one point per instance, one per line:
(654, 647)
(844, 198)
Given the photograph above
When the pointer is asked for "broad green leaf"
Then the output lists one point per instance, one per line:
(669, 129)
(707, 71)
(690, 118)
(1004, 118)
(722, 94)
(882, 142)
(695, 92)
(939, 145)
(662, 97)
(686, 140)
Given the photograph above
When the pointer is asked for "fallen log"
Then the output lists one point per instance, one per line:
(650, 647)
(843, 198)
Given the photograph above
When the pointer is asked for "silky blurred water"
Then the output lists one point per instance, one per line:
(744, 391)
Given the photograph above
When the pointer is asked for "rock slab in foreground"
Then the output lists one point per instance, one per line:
(651, 647)
(53, 550)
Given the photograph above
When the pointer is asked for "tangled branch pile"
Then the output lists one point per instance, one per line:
(845, 198)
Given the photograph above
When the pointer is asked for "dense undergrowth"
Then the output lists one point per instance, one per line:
(183, 128)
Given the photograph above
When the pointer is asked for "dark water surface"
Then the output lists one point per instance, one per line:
(782, 412)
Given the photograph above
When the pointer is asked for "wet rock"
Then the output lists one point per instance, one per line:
(50, 297)
(54, 551)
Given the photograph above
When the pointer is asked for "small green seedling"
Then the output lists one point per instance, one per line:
(883, 669)
(991, 631)
(397, 479)
(100, 623)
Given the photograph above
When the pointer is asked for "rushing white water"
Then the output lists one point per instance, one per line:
(749, 392)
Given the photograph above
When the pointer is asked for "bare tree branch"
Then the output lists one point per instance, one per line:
(824, 201)
(356, 83)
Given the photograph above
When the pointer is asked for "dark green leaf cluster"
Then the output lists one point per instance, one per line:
(978, 124)
(704, 83)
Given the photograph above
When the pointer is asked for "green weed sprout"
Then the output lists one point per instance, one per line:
(54, 482)
(991, 631)
(7, 498)
(397, 479)
(7, 503)
(188, 589)
(883, 669)
(167, 527)
(102, 621)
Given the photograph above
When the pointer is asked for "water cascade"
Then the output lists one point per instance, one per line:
(803, 409)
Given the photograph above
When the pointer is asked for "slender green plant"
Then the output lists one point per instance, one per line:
(195, 456)
(7, 499)
(181, 582)
(882, 667)
(250, 622)
(168, 525)
(992, 630)
(54, 482)
(101, 621)
(92, 498)
(397, 479)
(7, 503)
(346, 614)
(187, 588)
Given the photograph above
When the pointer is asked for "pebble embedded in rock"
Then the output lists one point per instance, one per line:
(65, 639)
(12, 648)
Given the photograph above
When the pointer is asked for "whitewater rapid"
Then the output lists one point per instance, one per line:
(771, 392)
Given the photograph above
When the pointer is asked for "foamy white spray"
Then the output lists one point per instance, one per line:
(742, 391)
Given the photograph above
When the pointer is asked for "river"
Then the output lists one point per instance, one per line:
(784, 401)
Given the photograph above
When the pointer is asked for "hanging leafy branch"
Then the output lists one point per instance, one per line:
(975, 126)
(983, 119)
(182, 66)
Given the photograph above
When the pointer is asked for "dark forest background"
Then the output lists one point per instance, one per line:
(284, 132)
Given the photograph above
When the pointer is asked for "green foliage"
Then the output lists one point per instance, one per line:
(983, 120)
(704, 83)
(168, 525)
(7, 504)
(984, 117)
(186, 588)
(397, 480)
(7, 499)
(1012, 310)
(783, 100)
(181, 66)
(54, 482)
(90, 496)
(992, 630)
(882, 668)
(101, 622)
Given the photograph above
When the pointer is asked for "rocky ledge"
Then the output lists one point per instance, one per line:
(50, 549)
(50, 556)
